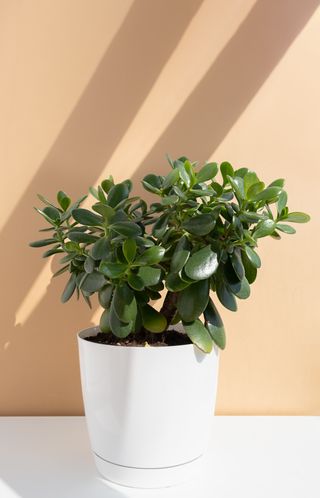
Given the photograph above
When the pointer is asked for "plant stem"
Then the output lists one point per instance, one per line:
(169, 306)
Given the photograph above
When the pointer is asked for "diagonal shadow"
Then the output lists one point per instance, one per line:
(231, 83)
(130, 66)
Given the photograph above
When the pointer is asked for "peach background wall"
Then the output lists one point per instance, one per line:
(96, 87)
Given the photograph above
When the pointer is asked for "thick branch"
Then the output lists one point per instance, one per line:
(169, 306)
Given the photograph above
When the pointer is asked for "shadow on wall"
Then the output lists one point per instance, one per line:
(40, 362)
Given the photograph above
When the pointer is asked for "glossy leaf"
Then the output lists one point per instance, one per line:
(105, 296)
(105, 322)
(63, 200)
(124, 303)
(43, 242)
(181, 255)
(264, 228)
(214, 325)
(89, 265)
(100, 249)
(126, 228)
(69, 288)
(226, 169)
(112, 270)
(129, 248)
(268, 194)
(174, 282)
(202, 264)
(285, 228)
(193, 300)
(199, 335)
(250, 270)
(152, 320)
(253, 257)
(118, 193)
(254, 190)
(135, 282)
(200, 225)
(82, 237)
(297, 217)
(86, 217)
(207, 172)
(151, 256)
(282, 202)
(237, 263)
(93, 282)
(224, 295)
(119, 329)
(171, 178)
(150, 276)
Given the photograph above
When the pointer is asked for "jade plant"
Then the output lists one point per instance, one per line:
(195, 245)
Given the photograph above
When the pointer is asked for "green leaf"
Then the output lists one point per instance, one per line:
(254, 190)
(184, 175)
(243, 292)
(55, 250)
(152, 320)
(150, 276)
(214, 325)
(268, 194)
(69, 288)
(277, 183)
(106, 211)
(119, 328)
(135, 282)
(60, 271)
(82, 237)
(226, 169)
(151, 256)
(124, 303)
(100, 249)
(237, 185)
(126, 228)
(181, 255)
(105, 296)
(105, 322)
(174, 282)
(253, 257)
(93, 282)
(52, 212)
(160, 226)
(285, 228)
(207, 172)
(193, 300)
(297, 217)
(250, 270)
(107, 184)
(264, 228)
(129, 248)
(225, 296)
(202, 264)
(63, 200)
(86, 217)
(282, 202)
(249, 179)
(118, 193)
(199, 335)
(241, 172)
(171, 178)
(237, 263)
(89, 265)
(112, 270)
(200, 225)
(42, 243)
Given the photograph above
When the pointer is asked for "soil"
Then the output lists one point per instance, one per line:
(168, 338)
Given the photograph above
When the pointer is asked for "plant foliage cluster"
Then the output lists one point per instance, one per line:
(199, 236)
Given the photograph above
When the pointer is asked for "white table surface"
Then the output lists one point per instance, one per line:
(249, 457)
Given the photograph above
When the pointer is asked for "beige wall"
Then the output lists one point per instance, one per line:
(93, 87)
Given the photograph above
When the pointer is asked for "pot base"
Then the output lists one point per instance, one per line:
(134, 477)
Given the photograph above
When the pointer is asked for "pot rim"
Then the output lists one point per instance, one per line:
(91, 331)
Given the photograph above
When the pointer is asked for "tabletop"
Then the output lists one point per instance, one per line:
(251, 457)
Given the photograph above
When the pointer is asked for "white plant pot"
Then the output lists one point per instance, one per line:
(148, 409)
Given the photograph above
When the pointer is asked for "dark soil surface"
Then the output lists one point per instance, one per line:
(168, 338)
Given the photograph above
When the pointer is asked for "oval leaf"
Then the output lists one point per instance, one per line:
(200, 225)
(151, 256)
(86, 217)
(199, 335)
(202, 264)
(214, 325)
(153, 320)
(193, 300)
